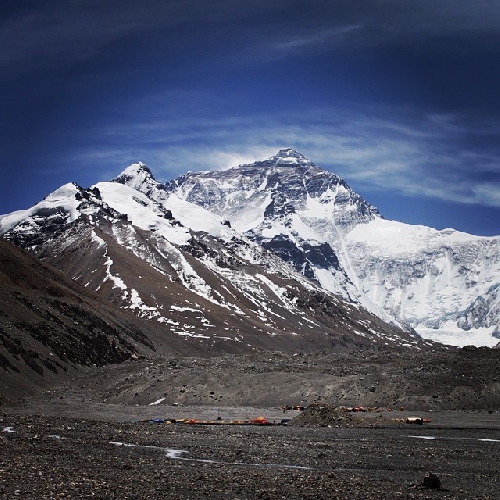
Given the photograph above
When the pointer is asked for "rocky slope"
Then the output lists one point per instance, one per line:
(51, 326)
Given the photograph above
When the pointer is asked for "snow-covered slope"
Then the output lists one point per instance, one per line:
(184, 268)
(430, 278)
(443, 283)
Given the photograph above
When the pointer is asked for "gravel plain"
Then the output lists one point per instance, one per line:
(62, 457)
(95, 436)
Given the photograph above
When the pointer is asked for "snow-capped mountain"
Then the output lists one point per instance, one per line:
(256, 243)
(189, 272)
(443, 283)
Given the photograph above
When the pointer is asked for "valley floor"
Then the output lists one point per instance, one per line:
(109, 452)
(93, 436)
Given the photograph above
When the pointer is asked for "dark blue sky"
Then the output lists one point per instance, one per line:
(399, 98)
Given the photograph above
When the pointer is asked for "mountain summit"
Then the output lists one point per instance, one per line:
(287, 156)
(138, 176)
(436, 281)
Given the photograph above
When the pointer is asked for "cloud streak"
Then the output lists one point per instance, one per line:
(377, 148)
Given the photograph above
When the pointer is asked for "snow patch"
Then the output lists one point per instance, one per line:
(157, 402)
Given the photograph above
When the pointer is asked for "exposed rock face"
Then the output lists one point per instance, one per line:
(273, 188)
(50, 326)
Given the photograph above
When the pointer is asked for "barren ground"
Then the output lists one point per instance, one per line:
(88, 438)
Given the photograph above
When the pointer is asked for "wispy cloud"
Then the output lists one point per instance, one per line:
(55, 34)
(61, 33)
(375, 148)
(489, 194)
(317, 38)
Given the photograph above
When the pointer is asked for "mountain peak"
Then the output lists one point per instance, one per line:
(136, 176)
(287, 152)
(134, 170)
(289, 156)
